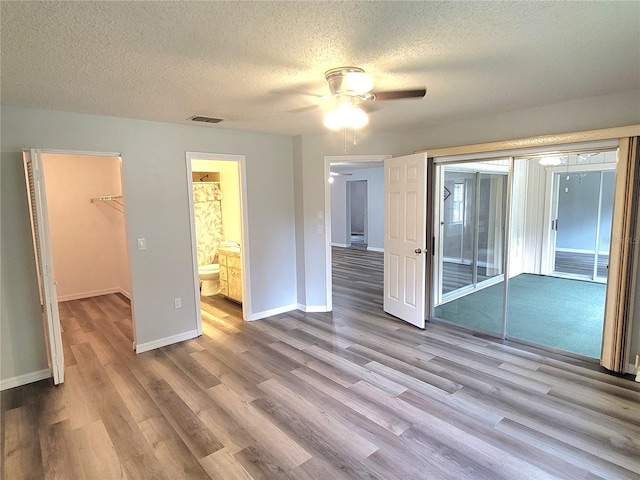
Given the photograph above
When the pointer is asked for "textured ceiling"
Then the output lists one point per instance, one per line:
(260, 65)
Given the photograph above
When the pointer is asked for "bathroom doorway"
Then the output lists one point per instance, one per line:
(219, 248)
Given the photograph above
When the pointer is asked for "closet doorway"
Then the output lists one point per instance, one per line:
(470, 226)
(219, 242)
(78, 221)
(522, 246)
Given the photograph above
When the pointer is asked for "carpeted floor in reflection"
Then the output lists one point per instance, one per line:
(557, 312)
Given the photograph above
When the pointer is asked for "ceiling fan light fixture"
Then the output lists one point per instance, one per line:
(350, 81)
(358, 83)
(346, 115)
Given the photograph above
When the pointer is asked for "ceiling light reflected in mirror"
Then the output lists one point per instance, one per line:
(553, 161)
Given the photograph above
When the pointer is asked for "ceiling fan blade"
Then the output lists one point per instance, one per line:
(370, 107)
(398, 94)
(303, 109)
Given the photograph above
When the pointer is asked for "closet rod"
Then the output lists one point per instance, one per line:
(114, 201)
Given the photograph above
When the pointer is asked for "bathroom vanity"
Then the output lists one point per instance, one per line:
(230, 273)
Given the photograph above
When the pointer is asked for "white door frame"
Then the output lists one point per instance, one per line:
(244, 250)
(328, 160)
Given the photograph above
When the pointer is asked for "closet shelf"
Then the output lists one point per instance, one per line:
(114, 201)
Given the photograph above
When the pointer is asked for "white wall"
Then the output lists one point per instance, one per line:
(375, 204)
(87, 239)
(155, 187)
(591, 113)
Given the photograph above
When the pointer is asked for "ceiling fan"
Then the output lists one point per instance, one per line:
(351, 87)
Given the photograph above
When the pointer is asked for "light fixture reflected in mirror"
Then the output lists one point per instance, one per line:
(553, 161)
(585, 157)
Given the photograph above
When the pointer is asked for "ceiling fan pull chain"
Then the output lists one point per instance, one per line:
(345, 140)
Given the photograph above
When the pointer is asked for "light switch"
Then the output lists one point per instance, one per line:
(142, 244)
(320, 228)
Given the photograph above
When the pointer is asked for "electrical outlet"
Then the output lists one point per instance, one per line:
(177, 302)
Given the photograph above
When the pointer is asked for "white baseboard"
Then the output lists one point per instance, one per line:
(271, 313)
(24, 379)
(312, 308)
(630, 368)
(578, 250)
(163, 342)
(93, 293)
(375, 249)
(457, 261)
(342, 245)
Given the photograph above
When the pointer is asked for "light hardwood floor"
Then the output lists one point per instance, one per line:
(349, 394)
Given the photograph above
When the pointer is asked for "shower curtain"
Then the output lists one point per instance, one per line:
(207, 202)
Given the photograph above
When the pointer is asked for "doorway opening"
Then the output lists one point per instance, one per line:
(219, 242)
(357, 206)
(354, 213)
(78, 220)
(582, 209)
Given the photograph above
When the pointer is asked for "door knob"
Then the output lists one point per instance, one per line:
(418, 251)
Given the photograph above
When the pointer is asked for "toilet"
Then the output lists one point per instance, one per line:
(209, 275)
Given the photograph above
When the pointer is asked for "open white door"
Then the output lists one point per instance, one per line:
(44, 261)
(405, 237)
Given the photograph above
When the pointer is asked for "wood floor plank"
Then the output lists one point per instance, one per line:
(279, 445)
(261, 465)
(176, 461)
(363, 373)
(185, 422)
(222, 465)
(358, 403)
(332, 461)
(126, 436)
(77, 394)
(59, 457)
(572, 454)
(348, 394)
(325, 424)
(21, 446)
(98, 457)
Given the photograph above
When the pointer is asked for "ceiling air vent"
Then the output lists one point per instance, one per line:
(201, 118)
